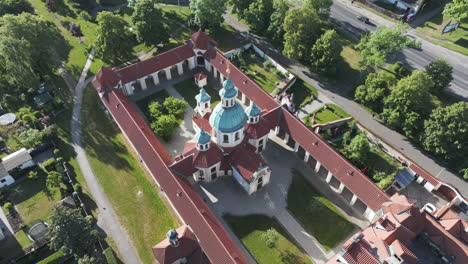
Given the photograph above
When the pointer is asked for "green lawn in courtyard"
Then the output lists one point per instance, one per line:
(250, 228)
(302, 92)
(159, 96)
(316, 213)
(456, 40)
(189, 90)
(266, 78)
(32, 200)
(330, 114)
(132, 192)
(22, 239)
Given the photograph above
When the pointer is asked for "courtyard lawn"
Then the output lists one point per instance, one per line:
(159, 96)
(22, 239)
(302, 92)
(326, 115)
(265, 78)
(456, 40)
(189, 90)
(32, 200)
(316, 213)
(131, 191)
(250, 228)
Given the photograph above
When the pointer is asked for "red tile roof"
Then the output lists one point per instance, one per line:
(246, 161)
(201, 40)
(350, 176)
(360, 253)
(188, 247)
(184, 167)
(203, 122)
(428, 177)
(105, 79)
(200, 76)
(214, 240)
(404, 253)
(258, 130)
(156, 63)
(206, 159)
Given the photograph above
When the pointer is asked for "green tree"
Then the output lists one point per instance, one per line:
(458, 9)
(358, 148)
(90, 260)
(165, 126)
(53, 181)
(464, 173)
(271, 237)
(114, 41)
(147, 20)
(258, 15)
(174, 106)
(208, 13)
(68, 230)
(441, 74)
(15, 7)
(275, 30)
(16, 60)
(302, 27)
(239, 6)
(154, 110)
(325, 54)
(33, 175)
(30, 138)
(408, 103)
(446, 132)
(377, 46)
(47, 47)
(400, 70)
(346, 137)
(322, 7)
(373, 92)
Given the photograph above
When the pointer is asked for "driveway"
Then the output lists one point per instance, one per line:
(226, 196)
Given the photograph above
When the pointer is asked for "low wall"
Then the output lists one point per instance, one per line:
(318, 127)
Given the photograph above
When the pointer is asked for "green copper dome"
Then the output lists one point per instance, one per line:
(253, 110)
(229, 119)
(203, 97)
(202, 137)
(228, 91)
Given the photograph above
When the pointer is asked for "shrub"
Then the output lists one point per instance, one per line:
(165, 126)
(23, 226)
(271, 237)
(57, 152)
(110, 257)
(175, 106)
(33, 175)
(85, 16)
(57, 257)
(8, 206)
(77, 188)
(49, 164)
(267, 64)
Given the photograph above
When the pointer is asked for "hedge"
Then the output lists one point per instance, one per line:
(57, 257)
(110, 257)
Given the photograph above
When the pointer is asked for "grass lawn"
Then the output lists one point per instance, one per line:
(145, 102)
(316, 213)
(250, 229)
(225, 36)
(131, 192)
(32, 199)
(456, 40)
(22, 239)
(302, 92)
(262, 76)
(189, 90)
(329, 114)
(349, 65)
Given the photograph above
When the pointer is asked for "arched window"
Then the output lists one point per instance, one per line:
(236, 136)
(225, 138)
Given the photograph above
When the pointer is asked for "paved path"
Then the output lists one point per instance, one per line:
(226, 196)
(335, 94)
(107, 219)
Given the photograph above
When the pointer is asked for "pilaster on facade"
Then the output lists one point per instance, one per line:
(143, 83)
(341, 188)
(306, 156)
(317, 166)
(180, 68)
(191, 63)
(296, 147)
(168, 73)
(329, 177)
(286, 138)
(243, 99)
(207, 66)
(155, 78)
(353, 200)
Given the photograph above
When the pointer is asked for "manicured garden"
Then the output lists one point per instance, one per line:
(303, 93)
(131, 191)
(159, 96)
(189, 90)
(326, 114)
(316, 213)
(252, 231)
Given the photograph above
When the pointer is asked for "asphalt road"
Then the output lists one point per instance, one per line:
(345, 14)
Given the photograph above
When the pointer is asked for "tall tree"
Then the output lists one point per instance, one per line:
(53, 181)
(239, 6)
(373, 92)
(208, 13)
(47, 45)
(359, 147)
(302, 27)
(15, 7)
(446, 132)
(321, 6)
(275, 30)
(408, 103)
(441, 74)
(17, 62)
(458, 9)
(377, 46)
(325, 54)
(147, 20)
(165, 126)
(70, 232)
(114, 41)
(258, 15)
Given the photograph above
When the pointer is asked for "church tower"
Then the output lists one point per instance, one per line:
(203, 102)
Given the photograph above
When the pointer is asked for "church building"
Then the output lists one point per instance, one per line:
(228, 141)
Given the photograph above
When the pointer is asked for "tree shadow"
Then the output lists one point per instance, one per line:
(63, 9)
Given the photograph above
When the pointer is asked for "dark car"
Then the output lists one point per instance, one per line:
(363, 19)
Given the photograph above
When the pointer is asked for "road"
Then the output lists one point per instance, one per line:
(344, 13)
(106, 218)
(335, 94)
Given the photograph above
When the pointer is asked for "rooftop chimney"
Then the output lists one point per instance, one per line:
(173, 237)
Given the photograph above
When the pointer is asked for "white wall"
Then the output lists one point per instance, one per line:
(5, 181)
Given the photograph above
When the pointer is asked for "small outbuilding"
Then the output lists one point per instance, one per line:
(200, 79)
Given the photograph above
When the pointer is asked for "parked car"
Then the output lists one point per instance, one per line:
(363, 19)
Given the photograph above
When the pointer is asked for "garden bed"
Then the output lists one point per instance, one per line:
(326, 114)
(250, 229)
(316, 213)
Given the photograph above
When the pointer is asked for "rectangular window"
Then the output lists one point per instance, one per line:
(237, 136)
(225, 139)
(2, 180)
(201, 178)
(213, 169)
(202, 173)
